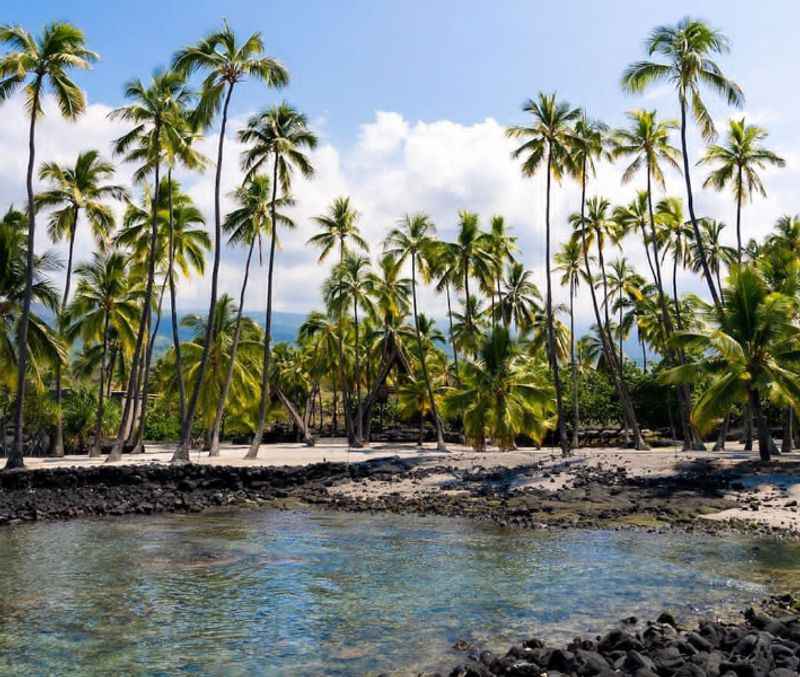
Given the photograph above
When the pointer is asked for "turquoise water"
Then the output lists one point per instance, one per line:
(296, 593)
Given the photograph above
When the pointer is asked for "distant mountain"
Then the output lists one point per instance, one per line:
(284, 328)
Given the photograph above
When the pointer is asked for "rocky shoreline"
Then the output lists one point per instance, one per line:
(765, 644)
(605, 497)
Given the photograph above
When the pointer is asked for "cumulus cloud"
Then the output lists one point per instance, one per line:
(395, 166)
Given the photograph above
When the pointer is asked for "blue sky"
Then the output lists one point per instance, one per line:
(461, 61)
(410, 100)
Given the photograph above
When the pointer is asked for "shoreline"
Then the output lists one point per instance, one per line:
(766, 642)
(615, 489)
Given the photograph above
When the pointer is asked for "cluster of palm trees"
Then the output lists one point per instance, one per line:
(496, 371)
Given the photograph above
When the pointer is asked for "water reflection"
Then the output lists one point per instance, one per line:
(304, 593)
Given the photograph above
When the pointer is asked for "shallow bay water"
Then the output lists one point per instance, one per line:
(309, 593)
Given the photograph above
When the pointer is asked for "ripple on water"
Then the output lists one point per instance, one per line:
(305, 592)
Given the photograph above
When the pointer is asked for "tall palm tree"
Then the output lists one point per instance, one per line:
(103, 300)
(226, 63)
(688, 49)
(73, 189)
(473, 254)
(45, 347)
(352, 285)
(633, 217)
(245, 225)
(502, 246)
(339, 230)
(547, 142)
(444, 267)
(520, 300)
(41, 63)
(750, 350)
(676, 235)
(569, 264)
(414, 238)
(155, 113)
(279, 134)
(647, 144)
(738, 162)
(717, 254)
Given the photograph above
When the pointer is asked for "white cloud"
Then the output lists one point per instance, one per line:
(396, 166)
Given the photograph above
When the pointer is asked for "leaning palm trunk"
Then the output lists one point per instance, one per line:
(15, 458)
(176, 343)
(58, 443)
(690, 440)
(98, 427)
(264, 401)
(437, 423)
(551, 343)
(788, 434)
(690, 203)
(226, 386)
(628, 411)
(181, 454)
(139, 439)
(299, 421)
(116, 450)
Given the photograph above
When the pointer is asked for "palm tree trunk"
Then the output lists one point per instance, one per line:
(764, 446)
(788, 435)
(574, 365)
(722, 436)
(358, 440)
(299, 421)
(176, 343)
(605, 340)
(16, 458)
(97, 448)
(450, 320)
(684, 397)
(562, 432)
(58, 444)
(226, 386)
(690, 202)
(738, 218)
(181, 454)
(139, 446)
(334, 417)
(437, 423)
(116, 450)
(264, 401)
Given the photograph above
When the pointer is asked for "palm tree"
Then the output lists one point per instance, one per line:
(245, 225)
(751, 351)
(647, 142)
(501, 395)
(246, 362)
(633, 217)
(569, 264)
(155, 112)
(281, 134)
(624, 286)
(688, 48)
(413, 238)
(444, 267)
(520, 299)
(226, 63)
(737, 164)
(351, 285)
(676, 235)
(44, 346)
(547, 141)
(717, 253)
(502, 246)
(322, 334)
(473, 254)
(103, 300)
(43, 63)
(74, 189)
(339, 228)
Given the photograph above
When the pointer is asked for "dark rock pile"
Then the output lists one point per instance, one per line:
(763, 645)
(66, 493)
